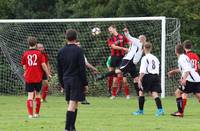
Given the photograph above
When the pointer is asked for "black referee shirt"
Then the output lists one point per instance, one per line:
(71, 63)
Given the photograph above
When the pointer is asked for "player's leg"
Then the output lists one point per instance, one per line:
(179, 101)
(29, 102)
(158, 102)
(141, 101)
(45, 86)
(109, 84)
(114, 87)
(198, 96)
(126, 88)
(119, 82)
(38, 87)
(134, 74)
(196, 91)
(71, 115)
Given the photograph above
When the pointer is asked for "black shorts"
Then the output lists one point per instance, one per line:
(151, 82)
(116, 61)
(31, 87)
(127, 66)
(44, 77)
(191, 87)
(74, 89)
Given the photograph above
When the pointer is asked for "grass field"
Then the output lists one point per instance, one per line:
(102, 115)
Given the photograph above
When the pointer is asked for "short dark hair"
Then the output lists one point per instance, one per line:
(113, 26)
(179, 49)
(32, 41)
(187, 44)
(71, 34)
(148, 46)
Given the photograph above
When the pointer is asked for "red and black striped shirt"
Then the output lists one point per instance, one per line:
(194, 58)
(112, 41)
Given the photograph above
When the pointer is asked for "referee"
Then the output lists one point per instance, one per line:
(72, 76)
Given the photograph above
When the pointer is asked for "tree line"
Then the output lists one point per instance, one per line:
(187, 11)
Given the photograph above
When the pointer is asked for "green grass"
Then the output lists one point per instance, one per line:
(102, 115)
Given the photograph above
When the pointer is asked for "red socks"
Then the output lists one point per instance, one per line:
(126, 90)
(38, 103)
(44, 92)
(110, 82)
(114, 91)
(119, 80)
(184, 101)
(29, 104)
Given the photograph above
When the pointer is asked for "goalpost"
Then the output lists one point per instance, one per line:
(163, 32)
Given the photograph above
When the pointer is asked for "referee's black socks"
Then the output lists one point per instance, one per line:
(158, 103)
(70, 115)
(141, 102)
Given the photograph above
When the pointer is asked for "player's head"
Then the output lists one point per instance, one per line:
(32, 41)
(142, 39)
(40, 47)
(179, 49)
(112, 29)
(187, 45)
(71, 35)
(147, 47)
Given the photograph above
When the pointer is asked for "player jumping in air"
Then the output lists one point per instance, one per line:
(117, 43)
(190, 79)
(130, 60)
(149, 80)
(45, 84)
(34, 64)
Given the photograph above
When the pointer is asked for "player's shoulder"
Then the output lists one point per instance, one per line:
(183, 57)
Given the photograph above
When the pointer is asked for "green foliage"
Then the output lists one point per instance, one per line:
(186, 10)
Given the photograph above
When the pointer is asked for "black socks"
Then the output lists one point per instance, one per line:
(158, 103)
(141, 102)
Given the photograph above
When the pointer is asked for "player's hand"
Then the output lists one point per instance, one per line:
(125, 49)
(86, 89)
(140, 84)
(170, 74)
(61, 89)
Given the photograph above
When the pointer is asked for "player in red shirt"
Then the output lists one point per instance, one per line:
(45, 84)
(33, 63)
(180, 96)
(117, 43)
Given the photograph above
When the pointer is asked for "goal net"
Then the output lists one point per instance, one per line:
(164, 34)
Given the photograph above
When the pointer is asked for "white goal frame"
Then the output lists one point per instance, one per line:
(159, 18)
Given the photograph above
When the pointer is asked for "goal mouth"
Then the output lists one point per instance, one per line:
(163, 33)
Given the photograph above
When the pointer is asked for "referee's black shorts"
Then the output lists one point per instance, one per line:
(191, 87)
(73, 89)
(31, 87)
(151, 83)
(127, 66)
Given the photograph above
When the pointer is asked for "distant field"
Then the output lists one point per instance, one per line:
(102, 115)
